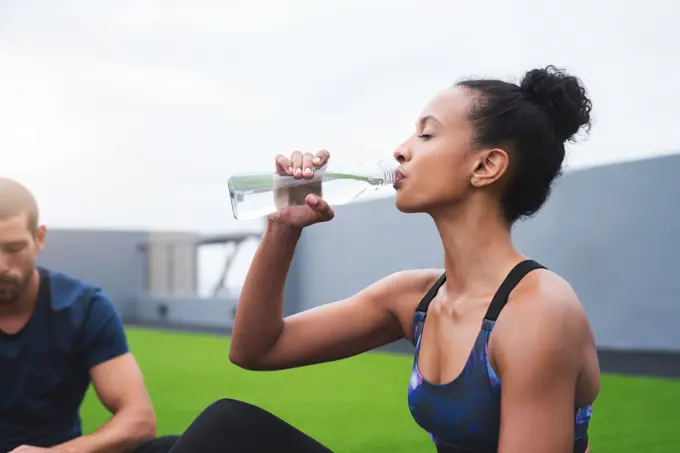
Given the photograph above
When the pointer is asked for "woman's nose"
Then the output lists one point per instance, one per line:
(402, 154)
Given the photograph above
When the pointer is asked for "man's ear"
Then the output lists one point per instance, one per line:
(40, 235)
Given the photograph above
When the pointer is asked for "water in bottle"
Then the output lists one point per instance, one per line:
(257, 195)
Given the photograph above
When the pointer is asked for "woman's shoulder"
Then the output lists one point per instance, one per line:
(546, 293)
(543, 334)
(550, 313)
(414, 280)
(403, 291)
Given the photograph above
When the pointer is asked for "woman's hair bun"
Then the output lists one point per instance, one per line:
(563, 98)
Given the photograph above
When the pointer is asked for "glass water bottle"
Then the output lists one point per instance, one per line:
(259, 194)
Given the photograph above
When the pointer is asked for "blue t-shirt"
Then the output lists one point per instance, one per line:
(44, 368)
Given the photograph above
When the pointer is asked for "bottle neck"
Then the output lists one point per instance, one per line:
(389, 175)
(381, 172)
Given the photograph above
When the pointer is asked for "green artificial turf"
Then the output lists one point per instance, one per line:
(359, 404)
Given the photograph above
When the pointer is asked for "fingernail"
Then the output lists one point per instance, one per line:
(290, 169)
(317, 160)
(298, 171)
(308, 171)
(313, 200)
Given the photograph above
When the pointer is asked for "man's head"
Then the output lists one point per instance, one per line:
(21, 239)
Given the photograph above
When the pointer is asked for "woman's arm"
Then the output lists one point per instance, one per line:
(263, 340)
(539, 364)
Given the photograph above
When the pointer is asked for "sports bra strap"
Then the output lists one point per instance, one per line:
(501, 297)
(425, 302)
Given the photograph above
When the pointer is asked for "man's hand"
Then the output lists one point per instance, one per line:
(29, 449)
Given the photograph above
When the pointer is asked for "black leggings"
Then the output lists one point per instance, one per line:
(230, 426)
(158, 445)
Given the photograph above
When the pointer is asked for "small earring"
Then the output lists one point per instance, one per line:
(473, 180)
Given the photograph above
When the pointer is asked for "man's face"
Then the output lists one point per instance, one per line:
(19, 249)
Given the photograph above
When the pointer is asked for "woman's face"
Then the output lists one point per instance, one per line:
(436, 161)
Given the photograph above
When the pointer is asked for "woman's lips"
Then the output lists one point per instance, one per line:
(399, 177)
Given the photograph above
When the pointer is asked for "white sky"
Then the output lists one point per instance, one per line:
(133, 113)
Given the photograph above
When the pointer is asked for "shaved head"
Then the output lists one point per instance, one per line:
(16, 200)
(21, 239)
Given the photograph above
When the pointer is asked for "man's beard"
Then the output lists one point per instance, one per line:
(11, 287)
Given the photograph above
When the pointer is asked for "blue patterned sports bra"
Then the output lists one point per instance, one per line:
(464, 414)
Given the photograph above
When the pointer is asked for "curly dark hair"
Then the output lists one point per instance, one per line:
(532, 121)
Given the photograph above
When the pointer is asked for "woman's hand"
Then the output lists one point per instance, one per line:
(307, 207)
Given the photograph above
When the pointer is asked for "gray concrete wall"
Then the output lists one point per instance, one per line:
(194, 312)
(109, 259)
(364, 242)
(613, 232)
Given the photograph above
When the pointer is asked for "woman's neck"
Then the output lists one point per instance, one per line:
(478, 249)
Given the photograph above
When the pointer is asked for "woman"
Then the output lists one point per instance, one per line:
(483, 155)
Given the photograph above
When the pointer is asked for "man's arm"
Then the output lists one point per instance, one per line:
(539, 366)
(118, 382)
(120, 387)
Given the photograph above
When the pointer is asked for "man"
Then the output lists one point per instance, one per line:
(58, 335)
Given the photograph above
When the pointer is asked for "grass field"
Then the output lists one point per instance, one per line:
(359, 404)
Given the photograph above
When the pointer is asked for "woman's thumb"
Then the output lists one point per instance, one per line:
(320, 207)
